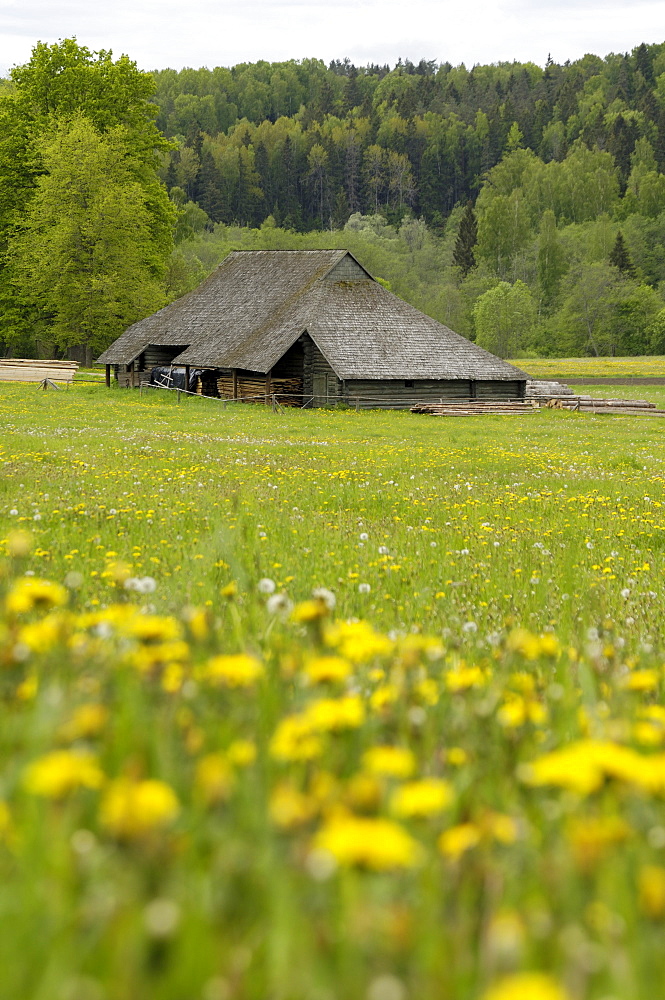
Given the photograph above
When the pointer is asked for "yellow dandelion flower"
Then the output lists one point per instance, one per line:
(583, 765)
(157, 656)
(294, 740)
(363, 792)
(30, 592)
(309, 611)
(389, 761)
(241, 753)
(324, 787)
(453, 843)
(531, 646)
(5, 822)
(152, 628)
(43, 635)
(651, 886)
(383, 696)
(196, 620)
(526, 986)
(239, 670)
(118, 572)
(640, 680)
(366, 842)
(213, 778)
(358, 641)
(427, 691)
(512, 714)
(455, 756)
(131, 810)
(28, 688)
(499, 827)
(523, 682)
(61, 772)
(426, 797)
(333, 714)
(19, 543)
(331, 669)
(86, 722)
(462, 678)
(289, 808)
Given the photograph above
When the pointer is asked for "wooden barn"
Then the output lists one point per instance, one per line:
(309, 328)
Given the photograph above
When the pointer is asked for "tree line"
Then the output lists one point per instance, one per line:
(523, 206)
(311, 145)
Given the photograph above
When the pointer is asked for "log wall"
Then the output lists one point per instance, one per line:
(399, 394)
(319, 380)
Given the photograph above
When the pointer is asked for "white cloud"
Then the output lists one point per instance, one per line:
(159, 33)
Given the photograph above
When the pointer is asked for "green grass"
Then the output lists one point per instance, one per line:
(509, 574)
(636, 367)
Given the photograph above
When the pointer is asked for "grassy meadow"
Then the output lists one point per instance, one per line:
(647, 366)
(326, 705)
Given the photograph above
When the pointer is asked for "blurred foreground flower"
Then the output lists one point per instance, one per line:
(393, 762)
(58, 773)
(421, 798)
(526, 986)
(235, 671)
(19, 543)
(31, 592)
(131, 810)
(365, 842)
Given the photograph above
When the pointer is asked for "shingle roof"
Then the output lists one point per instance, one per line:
(256, 304)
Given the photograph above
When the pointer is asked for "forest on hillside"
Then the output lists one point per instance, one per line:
(524, 206)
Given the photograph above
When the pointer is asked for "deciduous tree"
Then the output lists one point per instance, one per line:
(86, 254)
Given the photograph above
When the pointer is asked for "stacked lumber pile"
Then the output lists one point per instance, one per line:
(583, 404)
(557, 395)
(542, 389)
(253, 388)
(473, 407)
(592, 404)
(29, 370)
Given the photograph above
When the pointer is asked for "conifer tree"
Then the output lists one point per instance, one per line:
(620, 257)
(464, 255)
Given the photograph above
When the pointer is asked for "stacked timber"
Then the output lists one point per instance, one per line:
(474, 407)
(543, 389)
(583, 404)
(29, 370)
(590, 404)
(288, 391)
(557, 395)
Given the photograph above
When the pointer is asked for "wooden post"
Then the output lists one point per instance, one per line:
(186, 378)
(178, 392)
(130, 380)
(108, 376)
(357, 403)
(235, 382)
(268, 380)
(274, 402)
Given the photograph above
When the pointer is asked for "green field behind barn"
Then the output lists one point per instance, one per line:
(322, 704)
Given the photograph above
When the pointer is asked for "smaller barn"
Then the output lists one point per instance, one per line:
(309, 328)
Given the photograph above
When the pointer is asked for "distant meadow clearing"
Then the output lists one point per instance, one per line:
(323, 704)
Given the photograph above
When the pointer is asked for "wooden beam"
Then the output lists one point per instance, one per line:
(268, 384)
(108, 376)
(234, 372)
(186, 378)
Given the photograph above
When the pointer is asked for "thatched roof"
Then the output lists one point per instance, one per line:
(256, 304)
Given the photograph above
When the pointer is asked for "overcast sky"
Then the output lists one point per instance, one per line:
(177, 33)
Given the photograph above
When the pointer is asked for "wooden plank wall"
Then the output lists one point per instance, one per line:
(317, 368)
(396, 394)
